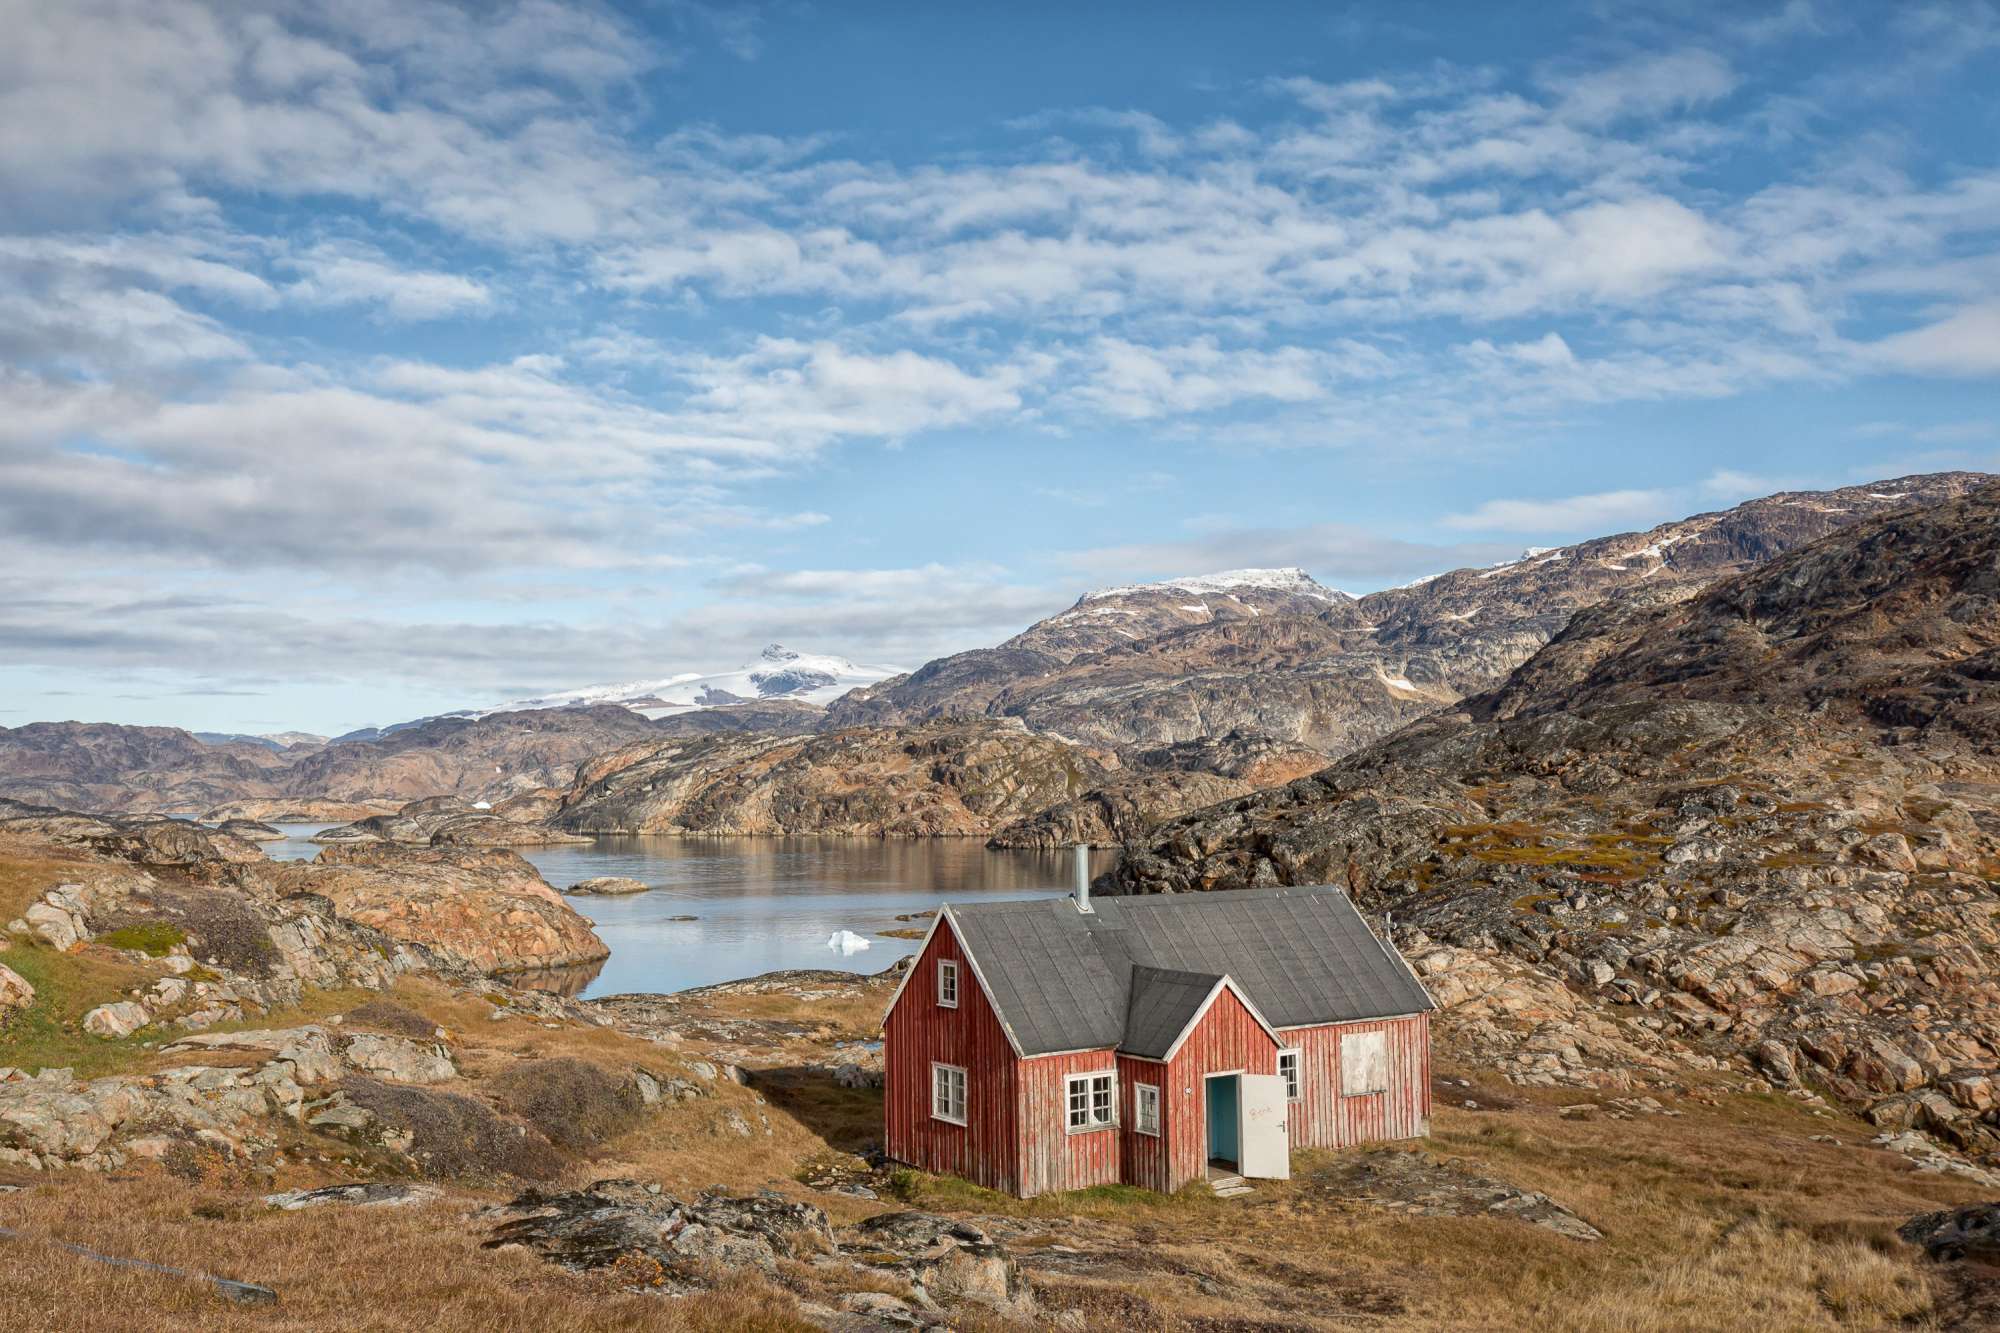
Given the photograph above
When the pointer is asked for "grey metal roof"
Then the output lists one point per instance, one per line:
(1162, 1004)
(1062, 980)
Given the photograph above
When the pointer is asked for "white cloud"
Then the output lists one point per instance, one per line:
(344, 275)
(1605, 511)
(1965, 342)
(1649, 86)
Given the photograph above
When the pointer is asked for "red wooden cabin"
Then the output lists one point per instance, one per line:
(1055, 1044)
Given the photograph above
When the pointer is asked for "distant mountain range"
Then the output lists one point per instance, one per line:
(778, 673)
(276, 740)
(1273, 653)
(1145, 678)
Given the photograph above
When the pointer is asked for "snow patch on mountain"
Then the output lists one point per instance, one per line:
(778, 673)
(1293, 580)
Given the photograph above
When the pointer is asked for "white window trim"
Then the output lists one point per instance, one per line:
(1295, 1087)
(1095, 1124)
(948, 967)
(1139, 1094)
(964, 1087)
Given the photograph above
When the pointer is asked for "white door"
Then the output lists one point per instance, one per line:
(1267, 1144)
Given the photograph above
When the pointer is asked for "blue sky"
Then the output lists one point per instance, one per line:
(360, 361)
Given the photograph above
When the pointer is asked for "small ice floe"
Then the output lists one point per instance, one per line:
(846, 941)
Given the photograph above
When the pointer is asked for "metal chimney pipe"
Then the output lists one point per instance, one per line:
(1083, 877)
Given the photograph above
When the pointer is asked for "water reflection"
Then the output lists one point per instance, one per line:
(567, 981)
(724, 908)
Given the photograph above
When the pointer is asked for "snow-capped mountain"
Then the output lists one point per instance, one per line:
(1133, 612)
(1292, 581)
(778, 673)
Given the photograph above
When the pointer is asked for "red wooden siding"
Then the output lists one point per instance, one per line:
(1052, 1158)
(1322, 1118)
(1226, 1038)
(1016, 1138)
(918, 1032)
(1145, 1154)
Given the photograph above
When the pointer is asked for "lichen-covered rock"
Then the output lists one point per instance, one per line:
(487, 910)
(598, 1226)
(1968, 1233)
(952, 1259)
(15, 992)
(116, 1020)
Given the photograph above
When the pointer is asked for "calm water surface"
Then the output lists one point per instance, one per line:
(761, 904)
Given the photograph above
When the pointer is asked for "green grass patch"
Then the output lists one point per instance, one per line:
(155, 939)
(48, 1034)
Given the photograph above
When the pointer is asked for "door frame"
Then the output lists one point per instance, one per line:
(1205, 1157)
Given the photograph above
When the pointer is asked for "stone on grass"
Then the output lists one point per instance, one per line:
(15, 992)
(116, 1020)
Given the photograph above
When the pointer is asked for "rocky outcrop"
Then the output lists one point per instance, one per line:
(942, 779)
(943, 1265)
(1123, 809)
(1261, 761)
(1958, 1234)
(608, 886)
(443, 821)
(616, 1220)
(1752, 828)
(53, 1119)
(489, 758)
(1113, 617)
(487, 910)
(249, 830)
(295, 810)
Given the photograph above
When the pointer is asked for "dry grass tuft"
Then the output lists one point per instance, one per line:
(573, 1102)
(458, 1137)
(388, 1016)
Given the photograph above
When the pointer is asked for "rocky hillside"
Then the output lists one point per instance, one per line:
(1756, 821)
(1164, 664)
(1111, 617)
(959, 778)
(104, 766)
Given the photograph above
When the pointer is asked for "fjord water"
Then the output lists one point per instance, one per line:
(762, 904)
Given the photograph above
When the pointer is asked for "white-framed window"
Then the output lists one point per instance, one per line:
(1364, 1063)
(948, 1093)
(1092, 1102)
(1146, 1108)
(1288, 1070)
(947, 983)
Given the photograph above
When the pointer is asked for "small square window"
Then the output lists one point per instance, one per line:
(948, 1093)
(1146, 1109)
(947, 983)
(1288, 1069)
(1091, 1102)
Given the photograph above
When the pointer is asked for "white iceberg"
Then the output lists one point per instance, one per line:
(846, 941)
